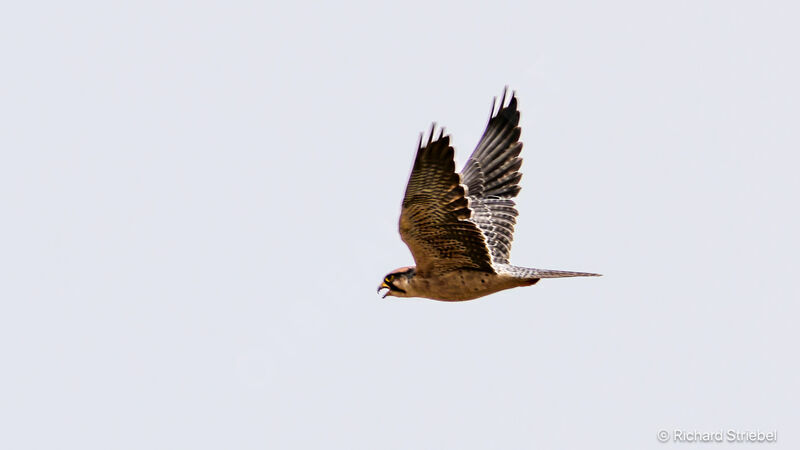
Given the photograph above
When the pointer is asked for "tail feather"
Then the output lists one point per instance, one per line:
(528, 272)
(563, 274)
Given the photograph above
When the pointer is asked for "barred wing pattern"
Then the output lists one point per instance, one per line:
(434, 220)
(492, 177)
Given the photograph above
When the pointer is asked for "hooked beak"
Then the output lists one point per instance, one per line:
(384, 286)
(389, 288)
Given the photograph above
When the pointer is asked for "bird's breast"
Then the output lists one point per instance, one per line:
(459, 285)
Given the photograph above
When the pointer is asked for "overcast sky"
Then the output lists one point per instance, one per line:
(200, 200)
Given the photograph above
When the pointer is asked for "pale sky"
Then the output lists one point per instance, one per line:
(199, 201)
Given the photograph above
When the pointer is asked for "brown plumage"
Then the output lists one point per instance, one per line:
(459, 228)
(434, 220)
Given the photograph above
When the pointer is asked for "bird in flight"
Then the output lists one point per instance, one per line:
(459, 227)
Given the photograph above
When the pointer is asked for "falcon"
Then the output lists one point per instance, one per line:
(459, 226)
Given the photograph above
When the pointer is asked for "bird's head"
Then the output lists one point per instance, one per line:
(397, 282)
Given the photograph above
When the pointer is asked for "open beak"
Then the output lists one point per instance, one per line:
(384, 286)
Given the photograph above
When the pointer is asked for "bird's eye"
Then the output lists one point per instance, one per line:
(388, 279)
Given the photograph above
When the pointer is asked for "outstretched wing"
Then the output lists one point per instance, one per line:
(492, 178)
(434, 221)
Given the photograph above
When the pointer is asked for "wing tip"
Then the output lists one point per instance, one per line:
(502, 106)
(432, 137)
